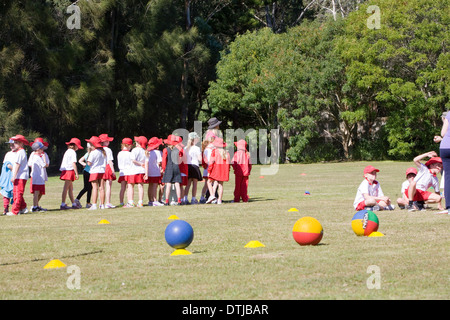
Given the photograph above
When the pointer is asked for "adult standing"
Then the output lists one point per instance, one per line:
(444, 152)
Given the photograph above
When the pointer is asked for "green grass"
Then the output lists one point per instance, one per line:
(129, 258)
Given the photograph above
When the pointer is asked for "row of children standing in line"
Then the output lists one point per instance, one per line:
(143, 164)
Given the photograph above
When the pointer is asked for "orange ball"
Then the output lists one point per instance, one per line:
(307, 231)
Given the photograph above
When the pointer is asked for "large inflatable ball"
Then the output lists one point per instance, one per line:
(307, 231)
(179, 234)
(364, 222)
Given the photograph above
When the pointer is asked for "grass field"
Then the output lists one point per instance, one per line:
(129, 258)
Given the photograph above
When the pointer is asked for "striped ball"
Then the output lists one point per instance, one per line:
(364, 222)
(307, 231)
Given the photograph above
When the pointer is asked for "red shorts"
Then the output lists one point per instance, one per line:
(95, 176)
(122, 178)
(154, 180)
(67, 175)
(109, 174)
(184, 180)
(136, 178)
(37, 187)
(420, 195)
(362, 205)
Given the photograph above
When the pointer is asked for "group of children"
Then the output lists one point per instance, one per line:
(414, 189)
(140, 162)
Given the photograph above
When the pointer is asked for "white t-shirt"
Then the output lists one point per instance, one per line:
(38, 170)
(405, 185)
(207, 155)
(22, 162)
(193, 155)
(98, 161)
(137, 154)
(11, 157)
(70, 156)
(109, 154)
(425, 179)
(154, 161)
(124, 162)
(373, 190)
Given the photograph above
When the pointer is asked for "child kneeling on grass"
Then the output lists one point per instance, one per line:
(369, 194)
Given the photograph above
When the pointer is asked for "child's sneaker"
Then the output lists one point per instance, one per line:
(93, 207)
(390, 207)
(412, 207)
(109, 206)
(194, 201)
(140, 205)
(64, 207)
(9, 213)
(102, 206)
(157, 204)
(211, 199)
(150, 203)
(88, 205)
(129, 205)
(78, 204)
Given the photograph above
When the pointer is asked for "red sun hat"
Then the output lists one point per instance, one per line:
(411, 170)
(76, 142)
(141, 140)
(370, 169)
(172, 140)
(20, 138)
(95, 141)
(433, 160)
(154, 143)
(127, 141)
(104, 137)
(38, 139)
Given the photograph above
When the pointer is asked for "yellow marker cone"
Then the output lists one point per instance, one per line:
(254, 244)
(180, 252)
(293, 210)
(376, 234)
(103, 221)
(173, 217)
(54, 264)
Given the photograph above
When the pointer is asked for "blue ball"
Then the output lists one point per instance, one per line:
(179, 234)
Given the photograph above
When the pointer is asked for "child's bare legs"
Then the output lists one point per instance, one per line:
(219, 186)
(160, 192)
(168, 187)
(152, 192)
(67, 189)
(36, 198)
(123, 187)
(130, 193)
(94, 193)
(141, 192)
(402, 202)
(108, 187)
(194, 188)
(186, 189)
(101, 191)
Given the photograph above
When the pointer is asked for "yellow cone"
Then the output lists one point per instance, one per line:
(254, 244)
(293, 210)
(180, 252)
(376, 234)
(103, 221)
(173, 217)
(54, 264)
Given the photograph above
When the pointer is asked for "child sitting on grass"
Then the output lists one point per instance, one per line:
(369, 194)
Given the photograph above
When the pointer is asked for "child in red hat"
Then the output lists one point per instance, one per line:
(97, 163)
(109, 175)
(369, 194)
(153, 169)
(218, 170)
(171, 166)
(137, 172)
(410, 175)
(69, 172)
(124, 164)
(425, 178)
(242, 168)
(20, 175)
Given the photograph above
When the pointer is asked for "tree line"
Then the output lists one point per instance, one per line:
(334, 87)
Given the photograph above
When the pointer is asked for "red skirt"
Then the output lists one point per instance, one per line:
(37, 187)
(122, 178)
(109, 174)
(154, 180)
(136, 178)
(67, 175)
(95, 176)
